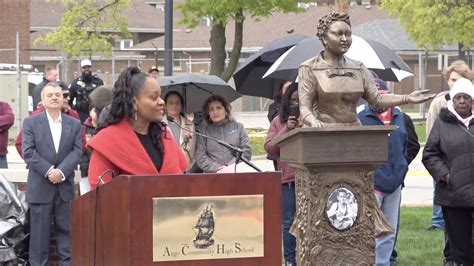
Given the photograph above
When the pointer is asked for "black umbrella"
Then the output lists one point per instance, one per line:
(374, 55)
(195, 89)
(248, 76)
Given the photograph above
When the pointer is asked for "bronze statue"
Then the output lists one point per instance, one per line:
(330, 84)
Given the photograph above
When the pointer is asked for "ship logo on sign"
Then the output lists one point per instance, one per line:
(204, 228)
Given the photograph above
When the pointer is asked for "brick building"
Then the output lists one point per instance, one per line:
(14, 17)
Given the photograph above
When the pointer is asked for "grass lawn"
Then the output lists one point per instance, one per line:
(420, 129)
(416, 245)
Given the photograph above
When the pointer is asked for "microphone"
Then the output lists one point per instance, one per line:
(236, 151)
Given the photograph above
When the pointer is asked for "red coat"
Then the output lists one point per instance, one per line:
(6, 122)
(118, 148)
(71, 112)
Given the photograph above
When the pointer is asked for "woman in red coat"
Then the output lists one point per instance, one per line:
(133, 140)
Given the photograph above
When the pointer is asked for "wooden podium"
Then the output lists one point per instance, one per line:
(337, 217)
(119, 223)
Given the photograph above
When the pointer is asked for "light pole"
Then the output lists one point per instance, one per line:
(168, 56)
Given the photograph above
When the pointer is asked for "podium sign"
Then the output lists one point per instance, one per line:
(196, 228)
(154, 220)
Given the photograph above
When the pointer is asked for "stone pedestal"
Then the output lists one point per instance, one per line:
(337, 217)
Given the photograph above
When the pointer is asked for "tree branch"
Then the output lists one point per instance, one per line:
(99, 10)
(237, 48)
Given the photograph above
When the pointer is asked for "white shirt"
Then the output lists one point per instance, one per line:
(56, 129)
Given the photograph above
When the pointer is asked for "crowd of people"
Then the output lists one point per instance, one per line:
(101, 130)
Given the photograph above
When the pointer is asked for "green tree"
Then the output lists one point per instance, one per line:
(88, 27)
(431, 23)
(223, 12)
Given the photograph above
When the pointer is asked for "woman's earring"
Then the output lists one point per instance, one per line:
(136, 115)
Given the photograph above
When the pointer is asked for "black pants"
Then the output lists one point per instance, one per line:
(458, 226)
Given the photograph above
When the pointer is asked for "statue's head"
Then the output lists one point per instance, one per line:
(331, 27)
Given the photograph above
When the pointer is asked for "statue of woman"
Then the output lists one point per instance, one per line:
(330, 84)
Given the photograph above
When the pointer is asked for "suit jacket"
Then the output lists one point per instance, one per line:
(69, 112)
(39, 154)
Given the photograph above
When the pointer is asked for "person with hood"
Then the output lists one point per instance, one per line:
(456, 70)
(389, 177)
(81, 88)
(449, 158)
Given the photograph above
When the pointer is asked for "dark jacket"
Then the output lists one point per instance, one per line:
(70, 112)
(413, 146)
(273, 110)
(80, 90)
(88, 129)
(40, 155)
(389, 176)
(450, 150)
(37, 92)
(6, 121)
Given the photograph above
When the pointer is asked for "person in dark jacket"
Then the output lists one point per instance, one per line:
(389, 177)
(413, 147)
(81, 88)
(449, 158)
(88, 128)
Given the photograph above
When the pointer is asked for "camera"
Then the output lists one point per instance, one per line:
(294, 110)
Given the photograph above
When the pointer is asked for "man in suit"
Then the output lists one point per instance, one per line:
(52, 149)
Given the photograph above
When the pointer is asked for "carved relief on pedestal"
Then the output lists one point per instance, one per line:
(324, 238)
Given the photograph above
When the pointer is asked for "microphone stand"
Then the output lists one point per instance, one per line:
(237, 152)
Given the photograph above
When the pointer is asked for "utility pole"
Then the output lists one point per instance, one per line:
(168, 56)
(18, 80)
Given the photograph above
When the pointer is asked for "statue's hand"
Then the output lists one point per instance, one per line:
(420, 96)
(317, 123)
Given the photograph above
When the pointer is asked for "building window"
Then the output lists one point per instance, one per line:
(123, 44)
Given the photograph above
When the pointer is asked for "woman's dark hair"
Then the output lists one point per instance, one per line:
(286, 102)
(130, 82)
(215, 98)
(279, 94)
(180, 98)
